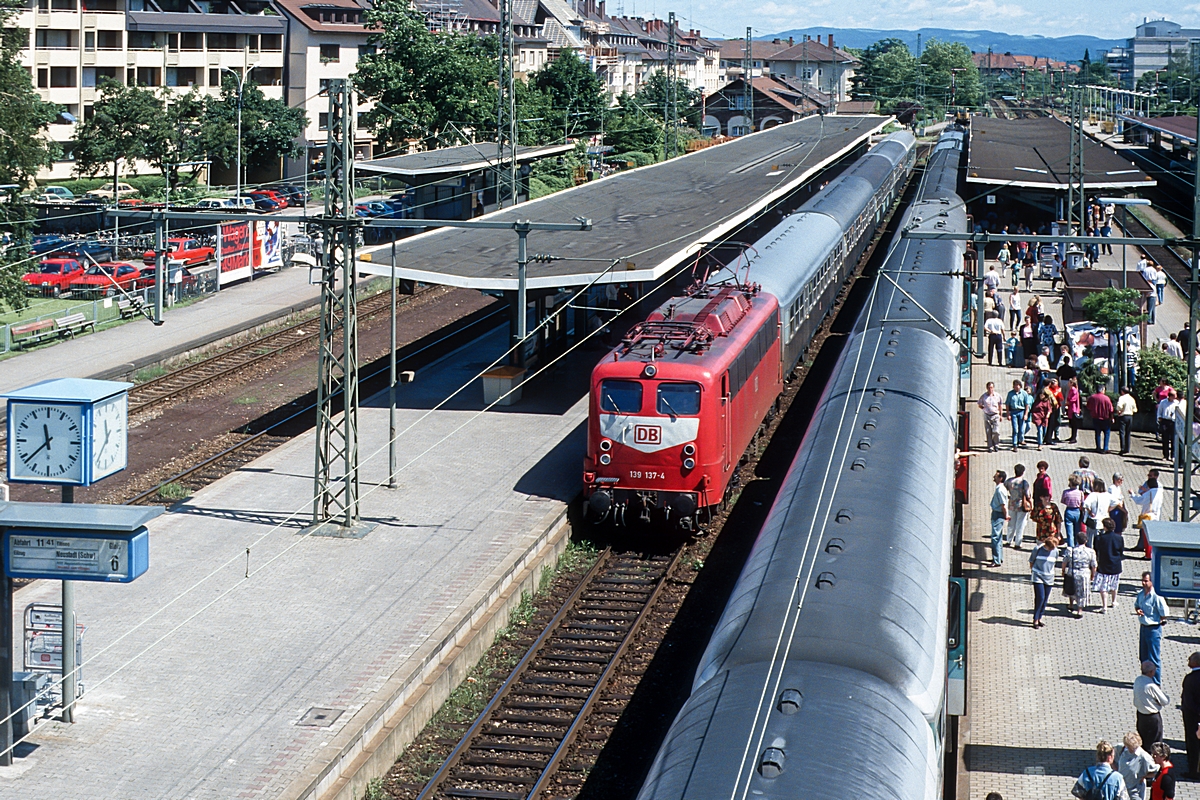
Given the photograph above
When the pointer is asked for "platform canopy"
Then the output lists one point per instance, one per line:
(450, 161)
(645, 221)
(1179, 127)
(1036, 153)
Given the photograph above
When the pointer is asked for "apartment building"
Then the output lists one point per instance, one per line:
(75, 44)
(1154, 45)
(820, 65)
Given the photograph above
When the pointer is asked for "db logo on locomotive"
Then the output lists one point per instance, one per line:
(647, 434)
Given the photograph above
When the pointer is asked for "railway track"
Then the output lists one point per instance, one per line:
(178, 383)
(1175, 265)
(186, 379)
(519, 741)
(372, 379)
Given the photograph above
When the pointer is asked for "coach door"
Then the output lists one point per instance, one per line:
(726, 421)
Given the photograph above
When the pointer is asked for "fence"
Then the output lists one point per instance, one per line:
(183, 284)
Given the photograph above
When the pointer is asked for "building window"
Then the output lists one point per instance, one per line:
(252, 43)
(182, 76)
(323, 121)
(323, 87)
(330, 53)
(222, 41)
(62, 5)
(147, 76)
(43, 78)
(55, 40)
(271, 42)
(142, 40)
(191, 41)
(362, 121)
(268, 76)
(107, 74)
(62, 77)
(366, 50)
(89, 41)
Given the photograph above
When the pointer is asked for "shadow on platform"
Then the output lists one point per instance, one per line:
(1092, 680)
(1027, 760)
(566, 456)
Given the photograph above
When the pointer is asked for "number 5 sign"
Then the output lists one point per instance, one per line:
(1175, 569)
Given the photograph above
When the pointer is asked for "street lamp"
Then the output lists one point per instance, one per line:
(241, 79)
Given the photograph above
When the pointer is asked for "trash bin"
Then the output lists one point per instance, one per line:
(24, 708)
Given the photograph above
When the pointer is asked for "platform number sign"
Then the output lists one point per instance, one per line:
(67, 431)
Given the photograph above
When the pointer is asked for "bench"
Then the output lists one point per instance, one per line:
(32, 332)
(129, 308)
(73, 324)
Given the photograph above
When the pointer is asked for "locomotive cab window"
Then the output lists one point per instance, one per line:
(679, 399)
(621, 397)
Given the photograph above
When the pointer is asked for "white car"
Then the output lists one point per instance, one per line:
(106, 192)
(243, 203)
(55, 194)
(211, 203)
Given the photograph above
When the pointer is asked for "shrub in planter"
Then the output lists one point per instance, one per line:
(1152, 366)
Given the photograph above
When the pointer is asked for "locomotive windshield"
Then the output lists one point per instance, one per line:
(621, 397)
(679, 399)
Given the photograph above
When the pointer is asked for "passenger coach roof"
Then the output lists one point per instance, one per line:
(791, 252)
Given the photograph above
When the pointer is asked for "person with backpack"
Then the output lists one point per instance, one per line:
(1100, 781)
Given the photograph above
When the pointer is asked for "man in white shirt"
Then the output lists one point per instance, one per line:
(1095, 508)
(1126, 408)
(1173, 347)
(1149, 699)
(1165, 415)
(990, 403)
(993, 326)
(991, 279)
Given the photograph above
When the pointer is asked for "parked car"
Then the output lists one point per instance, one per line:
(188, 251)
(244, 203)
(215, 203)
(102, 280)
(264, 203)
(279, 199)
(296, 195)
(55, 194)
(45, 243)
(106, 192)
(53, 276)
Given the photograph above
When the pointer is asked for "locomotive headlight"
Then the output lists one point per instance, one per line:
(688, 463)
(605, 459)
(650, 371)
(605, 445)
(689, 449)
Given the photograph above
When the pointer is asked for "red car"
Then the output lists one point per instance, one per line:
(281, 199)
(52, 276)
(189, 251)
(102, 280)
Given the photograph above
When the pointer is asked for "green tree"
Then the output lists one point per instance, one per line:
(270, 129)
(24, 149)
(1155, 365)
(631, 129)
(128, 123)
(1114, 310)
(950, 72)
(576, 95)
(431, 87)
(652, 97)
(888, 71)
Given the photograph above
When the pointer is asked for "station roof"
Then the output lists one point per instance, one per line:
(1183, 128)
(646, 220)
(453, 160)
(1036, 153)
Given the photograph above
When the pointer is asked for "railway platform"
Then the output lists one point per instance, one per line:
(1039, 700)
(124, 348)
(253, 660)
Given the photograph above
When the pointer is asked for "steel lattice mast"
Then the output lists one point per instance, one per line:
(336, 479)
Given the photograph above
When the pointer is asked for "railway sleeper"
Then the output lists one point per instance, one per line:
(591, 626)
(587, 637)
(513, 748)
(555, 693)
(484, 794)
(504, 761)
(531, 679)
(585, 648)
(528, 706)
(573, 658)
(533, 719)
(519, 732)
(489, 777)
(582, 669)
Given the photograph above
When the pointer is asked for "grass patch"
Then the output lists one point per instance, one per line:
(1150, 223)
(174, 491)
(248, 400)
(149, 373)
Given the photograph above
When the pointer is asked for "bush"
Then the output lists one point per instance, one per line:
(639, 159)
(1153, 365)
(539, 188)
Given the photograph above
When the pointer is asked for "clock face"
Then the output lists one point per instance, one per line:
(46, 442)
(110, 436)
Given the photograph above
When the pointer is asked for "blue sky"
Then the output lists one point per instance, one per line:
(1105, 18)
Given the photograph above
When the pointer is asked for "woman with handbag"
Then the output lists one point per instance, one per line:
(1042, 563)
(1079, 570)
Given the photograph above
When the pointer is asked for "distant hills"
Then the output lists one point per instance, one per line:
(1060, 48)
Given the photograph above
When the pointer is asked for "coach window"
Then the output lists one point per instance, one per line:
(679, 399)
(621, 397)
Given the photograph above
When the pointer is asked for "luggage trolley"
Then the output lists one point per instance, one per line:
(1045, 257)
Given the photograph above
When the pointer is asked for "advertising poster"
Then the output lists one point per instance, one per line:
(268, 245)
(233, 252)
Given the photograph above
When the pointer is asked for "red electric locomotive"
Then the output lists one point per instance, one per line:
(675, 405)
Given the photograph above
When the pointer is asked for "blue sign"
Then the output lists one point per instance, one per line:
(74, 555)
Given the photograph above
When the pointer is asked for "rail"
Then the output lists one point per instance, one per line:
(551, 692)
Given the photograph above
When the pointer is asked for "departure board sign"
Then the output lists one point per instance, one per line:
(113, 557)
(1175, 568)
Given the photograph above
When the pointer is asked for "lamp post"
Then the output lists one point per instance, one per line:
(241, 80)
